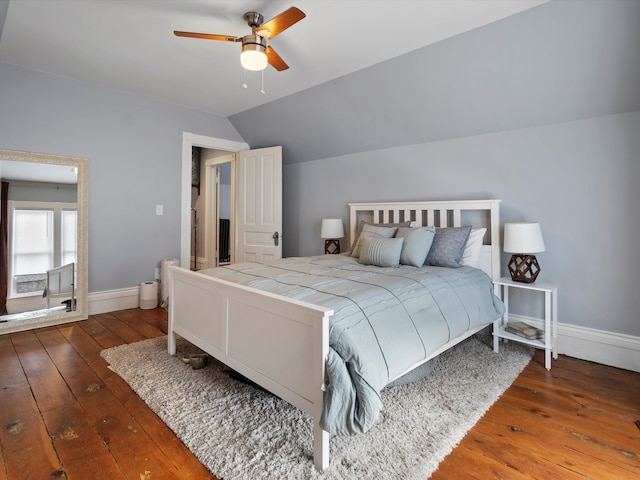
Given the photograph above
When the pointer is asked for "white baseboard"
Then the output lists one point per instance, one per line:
(608, 348)
(113, 300)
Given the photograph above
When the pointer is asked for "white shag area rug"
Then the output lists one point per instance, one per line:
(240, 432)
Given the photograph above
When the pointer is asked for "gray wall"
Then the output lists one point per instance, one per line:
(41, 192)
(578, 179)
(541, 110)
(134, 149)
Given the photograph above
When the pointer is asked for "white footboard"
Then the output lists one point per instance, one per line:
(279, 343)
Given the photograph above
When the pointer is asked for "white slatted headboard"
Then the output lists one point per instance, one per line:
(455, 213)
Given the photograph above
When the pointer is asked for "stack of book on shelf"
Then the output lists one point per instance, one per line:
(524, 330)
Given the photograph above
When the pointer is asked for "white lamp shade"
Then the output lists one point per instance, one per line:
(523, 237)
(332, 228)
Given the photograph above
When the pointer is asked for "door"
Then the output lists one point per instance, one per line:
(259, 206)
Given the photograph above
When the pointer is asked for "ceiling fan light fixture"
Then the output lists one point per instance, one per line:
(254, 53)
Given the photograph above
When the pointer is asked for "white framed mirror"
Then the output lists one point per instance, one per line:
(32, 179)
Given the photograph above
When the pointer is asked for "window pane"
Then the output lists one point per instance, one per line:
(32, 241)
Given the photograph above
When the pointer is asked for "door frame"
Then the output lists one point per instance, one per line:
(190, 140)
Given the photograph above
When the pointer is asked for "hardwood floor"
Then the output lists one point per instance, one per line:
(65, 415)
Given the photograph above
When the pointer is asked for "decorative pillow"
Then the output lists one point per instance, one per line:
(471, 254)
(382, 252)
(417, 242)
(448, 246)
(372, 231)
(361, 225)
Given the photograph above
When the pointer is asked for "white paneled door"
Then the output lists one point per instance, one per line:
(259, 205)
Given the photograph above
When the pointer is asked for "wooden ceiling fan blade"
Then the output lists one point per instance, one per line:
(207, 36)
(275, 60)
(280, 23)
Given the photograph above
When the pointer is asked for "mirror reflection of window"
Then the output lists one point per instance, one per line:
(43, 235)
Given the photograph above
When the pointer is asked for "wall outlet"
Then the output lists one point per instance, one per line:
(157, 273)
(159, 210)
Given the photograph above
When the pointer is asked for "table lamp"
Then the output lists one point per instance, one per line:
(522, 239)
(332, 230)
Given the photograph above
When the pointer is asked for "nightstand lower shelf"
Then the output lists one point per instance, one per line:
(517, 338)
(550, 339)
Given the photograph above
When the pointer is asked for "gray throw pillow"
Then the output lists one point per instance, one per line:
(417, 242)
(382, 252)
(448, 247)
(361, 225)
(372, 231)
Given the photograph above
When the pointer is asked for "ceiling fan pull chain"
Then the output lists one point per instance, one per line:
(262, 89)
(244, 84)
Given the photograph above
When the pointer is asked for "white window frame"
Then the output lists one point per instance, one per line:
(58, 208)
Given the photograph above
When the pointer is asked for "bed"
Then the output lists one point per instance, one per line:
(287, 344)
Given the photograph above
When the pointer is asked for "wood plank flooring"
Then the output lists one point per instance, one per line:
(65, 415)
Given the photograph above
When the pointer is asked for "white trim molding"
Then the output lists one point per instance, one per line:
(113, 300)
(608, 348)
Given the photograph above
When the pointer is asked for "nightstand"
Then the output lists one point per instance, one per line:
(549, 341)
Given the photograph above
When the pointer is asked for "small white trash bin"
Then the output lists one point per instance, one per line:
(148, 295)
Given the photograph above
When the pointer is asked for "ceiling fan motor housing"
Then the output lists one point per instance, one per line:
(254, 42)
(254, 19)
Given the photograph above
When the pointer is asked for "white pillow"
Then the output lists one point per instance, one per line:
(471, 254)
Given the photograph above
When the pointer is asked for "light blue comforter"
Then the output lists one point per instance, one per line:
(385, 320)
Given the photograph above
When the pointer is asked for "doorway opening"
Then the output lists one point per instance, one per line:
(190, 140)
(212, 208)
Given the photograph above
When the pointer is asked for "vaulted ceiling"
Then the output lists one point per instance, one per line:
(129, 45)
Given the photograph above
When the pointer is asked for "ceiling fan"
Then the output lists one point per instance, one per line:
(256, 54)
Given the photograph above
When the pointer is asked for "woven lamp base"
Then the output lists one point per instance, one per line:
(524, 268)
